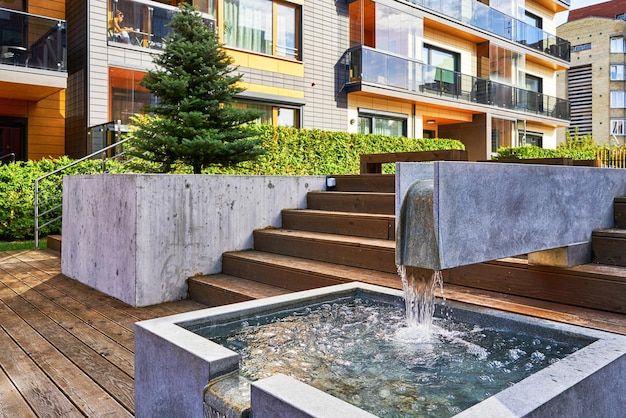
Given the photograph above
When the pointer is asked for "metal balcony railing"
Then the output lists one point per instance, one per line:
(479, 15)
(367, 65)
(32, 41)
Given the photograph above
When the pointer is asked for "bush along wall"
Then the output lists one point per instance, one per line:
(291, 151)
(17, 195)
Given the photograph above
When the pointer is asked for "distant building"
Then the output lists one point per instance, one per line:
(596, 80)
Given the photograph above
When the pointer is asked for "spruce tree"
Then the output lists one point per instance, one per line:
(194, 121)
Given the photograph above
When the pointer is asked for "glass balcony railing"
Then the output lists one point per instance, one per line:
(32, 41)
(144, 23)
(367, 65)
(479, 15)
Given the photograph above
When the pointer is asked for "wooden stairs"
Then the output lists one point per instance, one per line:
(348, 234)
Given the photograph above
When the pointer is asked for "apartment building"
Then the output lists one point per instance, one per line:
(33, 79)
(596, 81)
(483, 72)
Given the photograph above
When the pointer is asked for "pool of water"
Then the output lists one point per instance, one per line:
(362, 351)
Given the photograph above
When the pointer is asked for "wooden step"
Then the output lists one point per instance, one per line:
(589, 286)
(361, 202)
(342, 223)
(609, 247)
(619, 211)
(222, 289)
(382, 183)
(295, 274)
(368, 253)
(53, 242)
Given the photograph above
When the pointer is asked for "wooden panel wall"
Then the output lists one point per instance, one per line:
(46, 127)
(49, 8)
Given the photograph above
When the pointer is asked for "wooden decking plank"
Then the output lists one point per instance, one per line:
(121, 335)
(117, 354)
(90, 398)
(115, 381)
(12, 404)
(41, 394)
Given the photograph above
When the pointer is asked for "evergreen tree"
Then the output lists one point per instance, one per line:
(194, 121)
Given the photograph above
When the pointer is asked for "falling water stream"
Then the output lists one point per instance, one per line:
(419, 287)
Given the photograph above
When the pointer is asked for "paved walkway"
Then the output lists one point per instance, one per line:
(65, 349)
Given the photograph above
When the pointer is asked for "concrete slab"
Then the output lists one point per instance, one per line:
(486, 211)
(138, 237)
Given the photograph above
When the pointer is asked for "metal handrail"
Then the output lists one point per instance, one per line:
(38, 203)
(9, 155)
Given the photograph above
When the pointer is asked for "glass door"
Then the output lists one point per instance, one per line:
(12, 140)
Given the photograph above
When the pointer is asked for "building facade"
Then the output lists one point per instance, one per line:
(483, 72)
(596, 81)
(33, 78)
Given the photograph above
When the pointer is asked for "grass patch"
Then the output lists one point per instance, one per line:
(22, 245)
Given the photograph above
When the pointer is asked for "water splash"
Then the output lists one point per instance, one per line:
(419, 286)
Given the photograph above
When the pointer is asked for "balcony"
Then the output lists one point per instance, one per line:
(32, 41)
(149, 21)
(479, 15)
(369, 66)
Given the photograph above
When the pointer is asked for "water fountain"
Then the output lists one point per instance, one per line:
(177, 371)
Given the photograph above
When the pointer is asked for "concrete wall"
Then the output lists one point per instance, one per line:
(486, 211)
(139, 237)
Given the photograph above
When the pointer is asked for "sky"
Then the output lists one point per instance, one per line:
(575, 4)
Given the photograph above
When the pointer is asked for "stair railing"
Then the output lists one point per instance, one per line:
(50, 209)
(10, 155)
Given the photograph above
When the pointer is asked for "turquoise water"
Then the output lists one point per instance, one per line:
(363, 352)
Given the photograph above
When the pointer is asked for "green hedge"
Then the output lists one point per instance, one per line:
(532, 151)
(17, 195)
(289, 152)
(293, 151)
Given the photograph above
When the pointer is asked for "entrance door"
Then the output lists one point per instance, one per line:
(12, 139)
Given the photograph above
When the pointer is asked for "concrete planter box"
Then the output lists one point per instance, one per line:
(138, 237)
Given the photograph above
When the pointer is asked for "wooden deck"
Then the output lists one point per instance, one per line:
(65, 349)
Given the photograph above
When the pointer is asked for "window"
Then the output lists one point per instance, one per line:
(617, 45)
(275, 115)
(581, 47)
(379, 124)
(618, 99)
(531, 138)
(617, 127)
(442, 70)
(617, 72)
(263, 26)
(127, 97)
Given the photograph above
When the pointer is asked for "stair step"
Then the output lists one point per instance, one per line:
(619, 211)
(342, 223)
(361, 202)
(223, 289)
(609, 247)
(297, 274)
(382, 183)
(368, 253)
(53, 242)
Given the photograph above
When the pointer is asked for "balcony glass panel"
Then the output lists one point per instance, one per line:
(142, 23)
(480, 15)
(367, 65)
(32, 41)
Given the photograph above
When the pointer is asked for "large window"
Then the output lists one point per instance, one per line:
(382, 124)
(442, 71)
(127, 97)
(275, 115)
(263, 26)
(385, 28)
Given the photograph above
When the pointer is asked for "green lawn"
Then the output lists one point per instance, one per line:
(21, 245)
